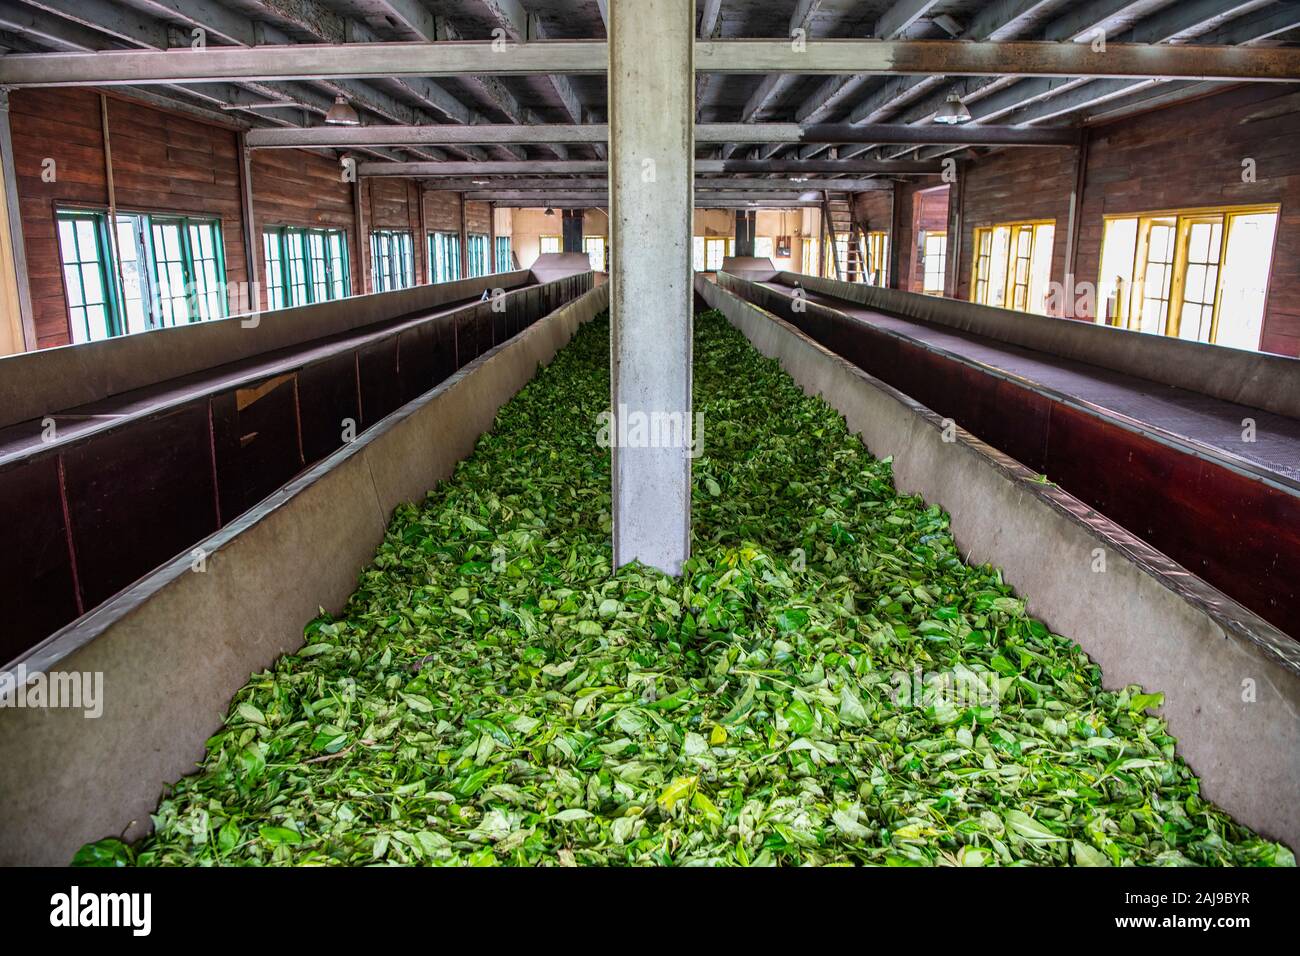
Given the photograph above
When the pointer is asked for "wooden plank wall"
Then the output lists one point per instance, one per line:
(910, 218)
(1016, 185)
(1184, 156)
(294, 187)
(167, 162)
(63, 126)
(1191, 155)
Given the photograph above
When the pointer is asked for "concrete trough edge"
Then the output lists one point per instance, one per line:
(174, 648)
(33, 384)
(1256, 379)
(1231, 685)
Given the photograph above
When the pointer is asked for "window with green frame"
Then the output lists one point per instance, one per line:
(168, 270)
(189, 270)
(444, 256)
(392, 260)
(305, 266)
(476, 257)
(87, 266)
(504, 262)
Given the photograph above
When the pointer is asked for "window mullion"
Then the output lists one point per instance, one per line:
(1178, 285)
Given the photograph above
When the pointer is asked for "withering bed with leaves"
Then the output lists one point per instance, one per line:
(827, 683)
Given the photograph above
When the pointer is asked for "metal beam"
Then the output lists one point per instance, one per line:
(767, 202)
(775, 84)
(710, 12)
(1000, 20)
(1042, 100)
(506, 196)
(857, 167)
(1082, 22)
(446, 134)
(477, 184)
(895, 21)
(893, 57)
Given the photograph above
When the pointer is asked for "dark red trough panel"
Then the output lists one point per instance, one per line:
(1233, 529)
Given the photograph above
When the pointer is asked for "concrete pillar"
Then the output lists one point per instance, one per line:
(651, 178)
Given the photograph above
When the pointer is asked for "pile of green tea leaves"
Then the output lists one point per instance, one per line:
(827, 683)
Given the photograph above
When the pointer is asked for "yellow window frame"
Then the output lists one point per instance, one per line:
(877, 250)
(1130, 308)
(982, 281)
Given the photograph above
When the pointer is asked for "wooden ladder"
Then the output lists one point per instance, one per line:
(841, 226)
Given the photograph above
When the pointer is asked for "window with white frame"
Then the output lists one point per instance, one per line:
(933, 262)
(595, 249)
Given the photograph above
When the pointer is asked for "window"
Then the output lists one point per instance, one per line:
(205, 271)
(298, 284)
(877, 258)
(135, 272)
(169, 270)
(149, 271)
(1197, 274)
(763, 247)
(552, 244)
(444, 256)
(392, 260)
(273, 255)
(709, 253)
(84, 248)
(505, 258)
(340, 274)
(808, 261)
(935, 249)
(304, 266)
(476, 254)
(1013, 265)
(716, 251)
(595, 249)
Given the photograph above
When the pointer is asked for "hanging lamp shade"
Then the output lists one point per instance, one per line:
(342, 113)
(952, 112)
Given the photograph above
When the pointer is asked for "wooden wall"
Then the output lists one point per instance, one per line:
(294, 187)
(919, 207)
(65, 126)
(1014, 185)
(395, 204)
(1181, 157)
(168, 162)
(1191, 155)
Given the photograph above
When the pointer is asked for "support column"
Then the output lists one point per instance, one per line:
(572, 225)
(252, 253)
(18, 330)
(651, 183)
(746, 228)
